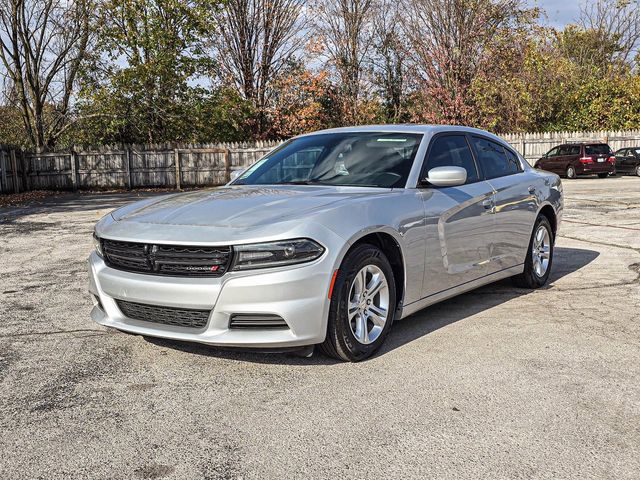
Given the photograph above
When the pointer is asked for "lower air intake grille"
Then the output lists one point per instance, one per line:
(257, 320)
(180, 317)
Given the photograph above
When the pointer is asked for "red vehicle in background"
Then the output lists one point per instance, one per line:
(573, 159)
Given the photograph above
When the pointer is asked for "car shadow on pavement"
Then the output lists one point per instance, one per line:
(566, 261)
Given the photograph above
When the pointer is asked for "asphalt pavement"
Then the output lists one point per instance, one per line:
(497, 383)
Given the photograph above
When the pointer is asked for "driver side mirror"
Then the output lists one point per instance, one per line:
(446, 176)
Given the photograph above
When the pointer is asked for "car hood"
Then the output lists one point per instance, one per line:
(239, 206)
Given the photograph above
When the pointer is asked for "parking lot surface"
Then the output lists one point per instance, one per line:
(497, 383)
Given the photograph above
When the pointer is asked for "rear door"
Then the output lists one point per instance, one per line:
(460, 220)
(630, 160)
(514, 198)
(622, 160)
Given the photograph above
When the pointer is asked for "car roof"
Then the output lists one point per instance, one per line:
(408, 128)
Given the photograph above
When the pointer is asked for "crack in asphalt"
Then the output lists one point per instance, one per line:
(606, 244)
(601, 225)
(53, 332)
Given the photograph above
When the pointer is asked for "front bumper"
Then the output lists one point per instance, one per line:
(298, 294)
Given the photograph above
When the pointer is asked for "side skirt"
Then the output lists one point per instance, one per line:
(465, 287)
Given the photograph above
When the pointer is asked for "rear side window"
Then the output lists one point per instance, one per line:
(599, 149)
(575, 150)
(493, 159)
(514, 163)
(452, 151)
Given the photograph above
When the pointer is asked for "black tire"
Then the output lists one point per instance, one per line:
(638, 170)
(340, 342)
(571, 172)
(529, 278)
(603, 175)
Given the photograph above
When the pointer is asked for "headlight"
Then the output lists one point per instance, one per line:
(97, 245)
(276, 254)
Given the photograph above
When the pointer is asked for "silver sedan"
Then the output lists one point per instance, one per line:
(327, 240)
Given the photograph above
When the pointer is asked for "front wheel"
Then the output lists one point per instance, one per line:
(571, 172)
(537, 265)
(362, 305)
(638, 170)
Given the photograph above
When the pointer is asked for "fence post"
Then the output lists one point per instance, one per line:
(127, 167)
(3, 172)
(176, 160)
(227, 165)
(74, 170)
(25, 178)
(14, 171)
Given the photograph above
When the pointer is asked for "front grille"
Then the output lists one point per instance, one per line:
(174, 260)
(180, 317)
(256, 320)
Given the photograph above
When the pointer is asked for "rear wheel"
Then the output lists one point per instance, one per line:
(571, 172)
(638, 170)
(537, 265)
(603, 175)
(362, 305)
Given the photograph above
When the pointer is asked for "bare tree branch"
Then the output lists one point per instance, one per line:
(42, 45)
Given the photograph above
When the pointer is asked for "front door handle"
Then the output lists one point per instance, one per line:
(532, 189)
(488, 204)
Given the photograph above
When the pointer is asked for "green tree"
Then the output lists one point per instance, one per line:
(149, 69)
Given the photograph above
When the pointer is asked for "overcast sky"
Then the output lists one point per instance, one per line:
(559, 12)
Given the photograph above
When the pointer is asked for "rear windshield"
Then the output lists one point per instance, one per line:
(599, 149)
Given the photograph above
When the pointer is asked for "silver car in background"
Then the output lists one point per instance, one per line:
(328, 240)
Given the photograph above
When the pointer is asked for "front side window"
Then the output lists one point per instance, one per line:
(492, 158)
(553, 152)
(365, 159)
(452, 151)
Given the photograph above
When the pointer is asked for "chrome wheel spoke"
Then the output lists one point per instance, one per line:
(362, 330)
(352, 309)
(375, 285)
(378, 315)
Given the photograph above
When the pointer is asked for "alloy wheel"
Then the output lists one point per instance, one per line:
(541, 251)
(368, 306)
(571, 172)
(638, 170)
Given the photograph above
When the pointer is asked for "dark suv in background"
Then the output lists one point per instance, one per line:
(573, 159)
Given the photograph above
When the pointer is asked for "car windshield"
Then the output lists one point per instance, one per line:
(363, 159)
(597, 149)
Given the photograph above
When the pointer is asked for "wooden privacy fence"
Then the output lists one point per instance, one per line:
(130, 166)
(178, 166)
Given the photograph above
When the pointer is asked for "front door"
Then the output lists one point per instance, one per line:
(459, 219)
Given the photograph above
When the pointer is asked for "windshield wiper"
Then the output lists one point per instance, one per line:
(299, 182)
